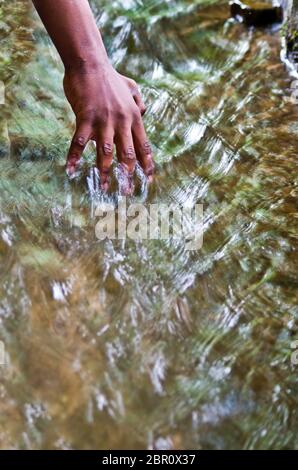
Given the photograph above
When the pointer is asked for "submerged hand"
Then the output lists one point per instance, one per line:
(108, 109)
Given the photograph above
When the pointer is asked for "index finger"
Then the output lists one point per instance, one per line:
(143, 148)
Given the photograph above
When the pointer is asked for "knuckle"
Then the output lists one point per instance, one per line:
(87, 116)
(80, 141)
(107, 150)
(132, 83)
(104, 115)
(94, 117)
(121, 115)
(130, 154)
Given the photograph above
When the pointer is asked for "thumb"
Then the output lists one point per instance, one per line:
(139, 101)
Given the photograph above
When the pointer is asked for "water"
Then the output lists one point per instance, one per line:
(147, 345)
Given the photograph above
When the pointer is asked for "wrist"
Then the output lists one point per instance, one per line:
(85, 63)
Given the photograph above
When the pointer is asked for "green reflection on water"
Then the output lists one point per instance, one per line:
(124, 345)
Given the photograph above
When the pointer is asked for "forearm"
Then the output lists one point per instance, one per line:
(107, 105)
(72, 28)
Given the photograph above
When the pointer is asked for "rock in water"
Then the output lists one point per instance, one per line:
(256, 13)
(291, 33)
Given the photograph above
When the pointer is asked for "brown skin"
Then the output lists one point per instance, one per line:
(107, 105)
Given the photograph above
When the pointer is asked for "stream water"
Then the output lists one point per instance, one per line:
(135, 345)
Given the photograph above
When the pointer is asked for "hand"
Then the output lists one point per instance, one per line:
(108, 109)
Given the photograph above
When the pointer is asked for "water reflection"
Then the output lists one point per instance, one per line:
(146, 345)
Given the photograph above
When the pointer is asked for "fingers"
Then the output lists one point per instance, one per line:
(136, 95)
(127, 158)
(143, 148)
(131, 144)
(105, 152)
(125, 150)
(139, 101)
(79, 142)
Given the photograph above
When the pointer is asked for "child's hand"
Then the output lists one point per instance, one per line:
(108, 109)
